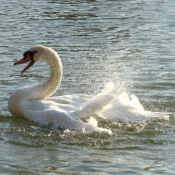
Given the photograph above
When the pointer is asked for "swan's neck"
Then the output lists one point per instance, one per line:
(52, 84)
(46, 89)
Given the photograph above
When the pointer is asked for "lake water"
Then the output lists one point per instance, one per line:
(129, 42)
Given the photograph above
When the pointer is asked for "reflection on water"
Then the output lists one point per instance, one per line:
(128, 42)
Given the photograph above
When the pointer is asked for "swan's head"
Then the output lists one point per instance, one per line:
(33, 55)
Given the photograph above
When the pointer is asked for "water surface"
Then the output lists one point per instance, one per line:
(130, 43)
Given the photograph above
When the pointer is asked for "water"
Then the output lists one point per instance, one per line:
(130, 43)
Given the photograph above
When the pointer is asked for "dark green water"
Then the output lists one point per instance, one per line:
(130, 43)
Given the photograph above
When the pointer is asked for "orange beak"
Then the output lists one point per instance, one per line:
(25, 60)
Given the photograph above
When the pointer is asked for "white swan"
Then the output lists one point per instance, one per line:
(34, 102)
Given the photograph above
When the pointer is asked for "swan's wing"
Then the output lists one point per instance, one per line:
(57, 117)
(70, 103)
(96, 104)
(74, 98)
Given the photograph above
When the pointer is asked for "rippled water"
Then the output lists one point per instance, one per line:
(130, 43)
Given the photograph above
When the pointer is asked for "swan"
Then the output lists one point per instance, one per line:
(34, 103)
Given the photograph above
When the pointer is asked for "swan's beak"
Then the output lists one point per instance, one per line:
(25, 60)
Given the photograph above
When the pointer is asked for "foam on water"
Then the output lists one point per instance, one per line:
(127, 108)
